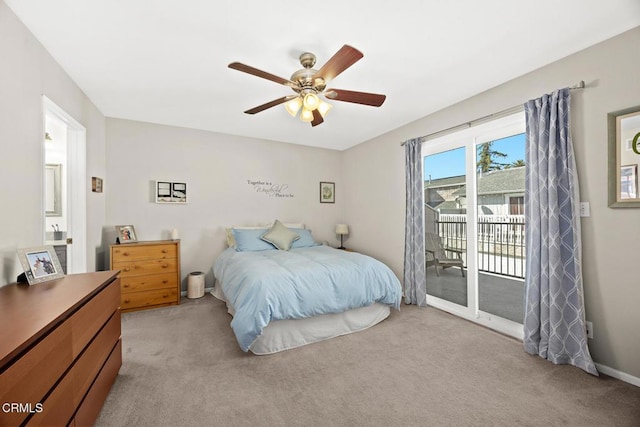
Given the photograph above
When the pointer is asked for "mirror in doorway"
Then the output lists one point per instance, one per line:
(53, 189)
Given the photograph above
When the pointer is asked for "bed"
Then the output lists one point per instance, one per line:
(286, 294)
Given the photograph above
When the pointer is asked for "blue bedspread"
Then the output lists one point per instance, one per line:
(274, 285)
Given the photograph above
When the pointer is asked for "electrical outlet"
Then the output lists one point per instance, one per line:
(589, 327)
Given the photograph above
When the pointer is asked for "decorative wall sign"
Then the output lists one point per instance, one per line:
(327, 192)
(270, 189)
(171, 192)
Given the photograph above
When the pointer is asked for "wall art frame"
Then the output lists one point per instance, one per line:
(327, 192)
(171, 192)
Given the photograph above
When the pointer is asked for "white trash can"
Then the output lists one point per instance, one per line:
(195, 285)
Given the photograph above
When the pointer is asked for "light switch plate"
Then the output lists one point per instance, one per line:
(585, 209)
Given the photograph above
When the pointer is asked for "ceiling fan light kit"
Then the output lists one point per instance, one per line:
(309, 83)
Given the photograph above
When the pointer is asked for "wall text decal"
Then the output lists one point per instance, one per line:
(270, 189)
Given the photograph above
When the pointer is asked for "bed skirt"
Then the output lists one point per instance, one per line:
(282, 335)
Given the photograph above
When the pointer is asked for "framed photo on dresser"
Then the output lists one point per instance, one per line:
(40, 264)
(126, 234)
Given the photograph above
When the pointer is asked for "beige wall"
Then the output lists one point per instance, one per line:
(217, 169)
(27, 71)
(375, 184)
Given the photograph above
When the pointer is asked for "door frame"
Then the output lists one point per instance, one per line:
(470, 138)
(76, 190)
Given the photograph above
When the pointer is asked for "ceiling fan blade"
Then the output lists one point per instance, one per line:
(270, 104)
(259, 73)
(317, 118)
(365, 98)
(340, 61)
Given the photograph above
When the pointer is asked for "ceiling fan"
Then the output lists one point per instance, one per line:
(308, 83)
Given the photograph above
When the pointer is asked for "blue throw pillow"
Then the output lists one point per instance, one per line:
(250, 240)
(305, 240)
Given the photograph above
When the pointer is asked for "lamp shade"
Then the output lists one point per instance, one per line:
(342, 229)
(306, 115)
(293, 106)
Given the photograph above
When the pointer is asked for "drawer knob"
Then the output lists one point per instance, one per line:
(125, 253)
(165, 265)
(165, 281)
(127, 301)
(164, 251)
(126, 285)
(126, 269)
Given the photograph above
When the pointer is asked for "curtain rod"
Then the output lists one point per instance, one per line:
(508, 111)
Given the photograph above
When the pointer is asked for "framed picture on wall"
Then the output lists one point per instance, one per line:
(40, 264)
(96, 184)
(327, 192)
(171, 192)
(126, 234)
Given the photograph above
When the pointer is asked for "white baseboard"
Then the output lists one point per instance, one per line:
(622, 376)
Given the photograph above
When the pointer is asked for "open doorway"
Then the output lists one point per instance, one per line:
(64, 198)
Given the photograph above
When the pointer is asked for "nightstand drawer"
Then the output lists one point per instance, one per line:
(148, 283)
(149, 299)
(140, 268)
(130, 252)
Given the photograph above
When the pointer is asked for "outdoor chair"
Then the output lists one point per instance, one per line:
(437, 255)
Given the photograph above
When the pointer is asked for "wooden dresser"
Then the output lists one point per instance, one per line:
(60, 349)
(149, 273)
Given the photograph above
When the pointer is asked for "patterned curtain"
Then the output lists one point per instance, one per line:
(415, 285)
(554, 319)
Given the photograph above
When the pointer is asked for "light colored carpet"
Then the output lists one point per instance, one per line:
(420, 367)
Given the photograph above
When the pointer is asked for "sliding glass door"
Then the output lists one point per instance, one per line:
(446, 225)
(474, 223)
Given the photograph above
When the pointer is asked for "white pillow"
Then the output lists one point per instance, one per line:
(280, 236)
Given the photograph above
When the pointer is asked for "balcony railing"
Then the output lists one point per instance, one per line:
(501, 241)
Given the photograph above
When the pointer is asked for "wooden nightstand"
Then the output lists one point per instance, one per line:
(149, 273)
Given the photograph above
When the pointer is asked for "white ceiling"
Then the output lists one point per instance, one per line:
(165, 61)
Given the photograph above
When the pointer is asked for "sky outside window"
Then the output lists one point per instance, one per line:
(452, 162)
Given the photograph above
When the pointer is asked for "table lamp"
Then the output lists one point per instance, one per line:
(342, 229)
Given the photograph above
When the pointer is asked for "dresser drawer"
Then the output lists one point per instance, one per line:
(148, 283)
(34, 374)
(149, 299)
(90, 408)
(142, 252)
(141, 268)
(61, 403)
(86, 323)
